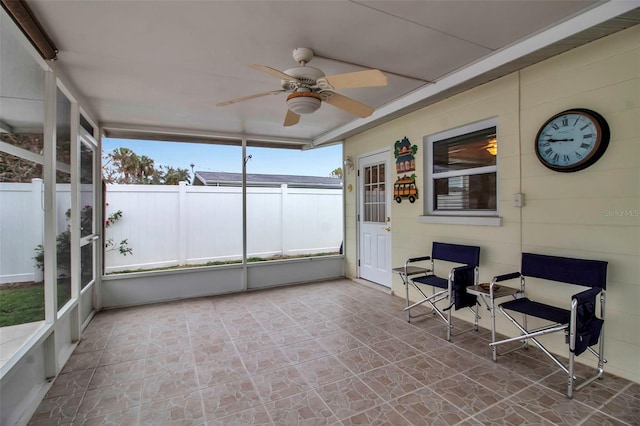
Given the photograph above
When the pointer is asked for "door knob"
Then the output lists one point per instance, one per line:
(387, 228)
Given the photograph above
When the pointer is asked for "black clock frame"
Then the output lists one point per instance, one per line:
(602, 144)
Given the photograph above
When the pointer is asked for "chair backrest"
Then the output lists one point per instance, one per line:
(468, 255)
(588, 273)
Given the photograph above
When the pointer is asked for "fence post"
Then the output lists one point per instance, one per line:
(284, 219)
(37, 230)
(182, 223)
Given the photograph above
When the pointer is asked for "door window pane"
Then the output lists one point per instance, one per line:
(374, 193)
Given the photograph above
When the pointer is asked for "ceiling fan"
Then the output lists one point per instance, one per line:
(308, 87)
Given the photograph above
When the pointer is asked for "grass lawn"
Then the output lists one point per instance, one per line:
(26, 304)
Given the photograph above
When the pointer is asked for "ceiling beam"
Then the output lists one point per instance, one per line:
(127, 131)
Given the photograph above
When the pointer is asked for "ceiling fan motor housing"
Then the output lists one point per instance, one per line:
(306, 75)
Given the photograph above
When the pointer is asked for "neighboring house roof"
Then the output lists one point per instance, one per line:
(254, 179)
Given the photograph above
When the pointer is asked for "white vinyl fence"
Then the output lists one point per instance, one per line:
(178, 225)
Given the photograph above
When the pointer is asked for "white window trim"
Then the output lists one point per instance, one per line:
(467, 217)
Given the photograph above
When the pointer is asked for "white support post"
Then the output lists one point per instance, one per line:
(50, 219)
(182, 223)
(37, 224)
(284, 219)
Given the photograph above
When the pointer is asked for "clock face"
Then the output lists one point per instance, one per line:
(572, 140)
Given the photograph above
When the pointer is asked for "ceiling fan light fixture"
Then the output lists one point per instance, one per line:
(303, 102)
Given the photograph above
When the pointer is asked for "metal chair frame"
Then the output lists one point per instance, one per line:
(587, 273)
(467, 256)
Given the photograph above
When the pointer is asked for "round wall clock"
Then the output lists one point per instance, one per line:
(572, 140)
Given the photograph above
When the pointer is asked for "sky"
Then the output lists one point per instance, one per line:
(221, 158)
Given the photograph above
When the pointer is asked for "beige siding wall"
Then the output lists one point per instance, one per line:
(590, 214)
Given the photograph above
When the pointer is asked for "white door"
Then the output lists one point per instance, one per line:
(374, 221)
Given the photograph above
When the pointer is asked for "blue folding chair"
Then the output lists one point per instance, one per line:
(580, 324)
(453, 288)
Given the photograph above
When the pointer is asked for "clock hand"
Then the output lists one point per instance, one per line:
(559, 140)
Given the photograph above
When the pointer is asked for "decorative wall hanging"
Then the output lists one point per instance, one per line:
(405, 187)
(405, 155)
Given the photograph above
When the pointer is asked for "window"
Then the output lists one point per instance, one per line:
(21, 191)
(461, 171)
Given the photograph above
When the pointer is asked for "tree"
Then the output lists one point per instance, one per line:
(337, 172)
(15, 169)
(124, 166)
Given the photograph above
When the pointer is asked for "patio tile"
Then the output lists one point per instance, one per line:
(265, 360)
(505, 414)
(348, 397)
(382, 415)
(425, 369)
(322, 371)
(128, 417)
(257, 416)
(170, 384)
(423, 341)
(426, 407)
(113, 374)
(340, 342)
(57, 410)
(502, 381)
(371, 335)
(395, 350)
(289, 336)
(69, 383)
(304, 351)
(222, 370)
(213, 352)
(390, 382)
(458, 359)
(302, 409)
(361, 360)
(465, 394)
(116, 397)
(257, 342)
(279, 384)
(82, 361)
(119, 354)
(600, 419)
(229, 398)
(183, 409)
(624, 407)
(553, 406)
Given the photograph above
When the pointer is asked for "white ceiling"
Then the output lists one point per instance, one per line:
(165, 64)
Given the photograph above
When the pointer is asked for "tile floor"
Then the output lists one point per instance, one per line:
(319, 354)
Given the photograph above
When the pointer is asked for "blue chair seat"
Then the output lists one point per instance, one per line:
(539, 310)
(433, 281)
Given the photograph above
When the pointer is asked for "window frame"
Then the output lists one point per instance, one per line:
(431, 215)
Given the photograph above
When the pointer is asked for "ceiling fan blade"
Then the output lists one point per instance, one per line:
(368, 78)
(350, 105)
(291, 118)
(246, 98)
(273, 72)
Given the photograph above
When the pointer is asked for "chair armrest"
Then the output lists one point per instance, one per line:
(418, 259)
(462, 268)
(586, 295)
(506, 277)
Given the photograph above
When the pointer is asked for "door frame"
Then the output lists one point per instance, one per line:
(359, 202)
